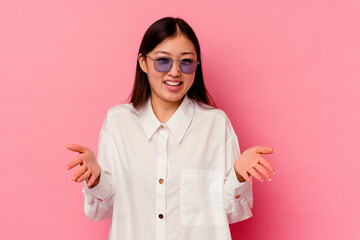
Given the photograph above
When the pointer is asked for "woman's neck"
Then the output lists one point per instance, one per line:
(164, 109)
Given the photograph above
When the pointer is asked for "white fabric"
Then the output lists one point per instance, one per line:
(194, 154)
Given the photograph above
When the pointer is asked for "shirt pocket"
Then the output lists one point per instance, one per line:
(201, 202)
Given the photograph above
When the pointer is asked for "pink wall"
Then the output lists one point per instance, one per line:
(286, 72)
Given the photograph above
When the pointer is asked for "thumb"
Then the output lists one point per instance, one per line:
(264, 150)
(75, 148)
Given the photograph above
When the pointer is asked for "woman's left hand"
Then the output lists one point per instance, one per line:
(252, 162)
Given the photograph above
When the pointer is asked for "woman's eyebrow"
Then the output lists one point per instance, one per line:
(184, 53)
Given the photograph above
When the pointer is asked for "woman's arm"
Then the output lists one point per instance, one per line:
(237, 193)
(97, 176)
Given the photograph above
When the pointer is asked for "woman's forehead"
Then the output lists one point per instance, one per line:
(179, 45)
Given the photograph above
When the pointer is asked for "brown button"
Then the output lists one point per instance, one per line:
(237, 196)
(161, 216)
(161, 181)
(162, 127)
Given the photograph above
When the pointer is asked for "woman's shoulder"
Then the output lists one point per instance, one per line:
(208, 110)
(122, 108)
(215, 115)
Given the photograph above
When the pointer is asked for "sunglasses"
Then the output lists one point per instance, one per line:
(164, 64)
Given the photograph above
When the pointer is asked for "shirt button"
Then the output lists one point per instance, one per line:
(161, 181)
(161, 216)
(162, 127)
(237, 196)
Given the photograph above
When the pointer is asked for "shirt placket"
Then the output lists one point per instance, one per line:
(161, 182)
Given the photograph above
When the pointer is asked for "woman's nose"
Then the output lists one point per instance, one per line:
(175, 69)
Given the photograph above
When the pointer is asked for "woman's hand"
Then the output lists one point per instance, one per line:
(89, 168)
(252, 162)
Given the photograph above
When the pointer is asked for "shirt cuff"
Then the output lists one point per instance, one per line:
(236, 189)
(234, 180)
(104, 187)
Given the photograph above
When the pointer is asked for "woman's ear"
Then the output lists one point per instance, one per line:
(142, 62)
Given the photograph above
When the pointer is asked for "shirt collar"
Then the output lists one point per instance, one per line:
(178, 123)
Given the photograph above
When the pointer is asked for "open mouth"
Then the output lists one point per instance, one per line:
(173, 84)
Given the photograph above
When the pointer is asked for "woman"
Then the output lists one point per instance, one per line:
(169, 164)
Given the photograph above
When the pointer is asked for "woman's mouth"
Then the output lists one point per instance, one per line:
(173, 86)
(173, 83)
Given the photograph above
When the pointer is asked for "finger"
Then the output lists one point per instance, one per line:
(80, 171)
(78, 160)
(255, 174)
(246, 176)
(75, 148)
(86, 175)
(262, 170)
(264, 150)
(92, 179)
(267, 164)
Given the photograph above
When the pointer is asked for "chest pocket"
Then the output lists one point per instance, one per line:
(201, 202)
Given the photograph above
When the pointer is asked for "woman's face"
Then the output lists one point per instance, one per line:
(164, 85)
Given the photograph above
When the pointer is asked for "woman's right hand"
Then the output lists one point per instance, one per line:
(89, 168)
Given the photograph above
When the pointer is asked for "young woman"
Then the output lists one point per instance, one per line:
(169, 164)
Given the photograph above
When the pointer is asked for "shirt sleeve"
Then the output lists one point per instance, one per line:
(99, 200)
(237, 196)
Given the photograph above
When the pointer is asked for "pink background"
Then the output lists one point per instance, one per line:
(286, 72)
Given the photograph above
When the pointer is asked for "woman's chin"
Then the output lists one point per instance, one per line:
(172, 98)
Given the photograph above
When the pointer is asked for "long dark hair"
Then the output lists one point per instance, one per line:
(155, 34)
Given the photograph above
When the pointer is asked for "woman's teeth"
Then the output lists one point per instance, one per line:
(172, 83)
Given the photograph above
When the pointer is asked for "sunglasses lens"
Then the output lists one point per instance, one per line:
(163, 64)
(188, 66)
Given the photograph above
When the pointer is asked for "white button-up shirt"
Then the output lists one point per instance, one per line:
(168, 181)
